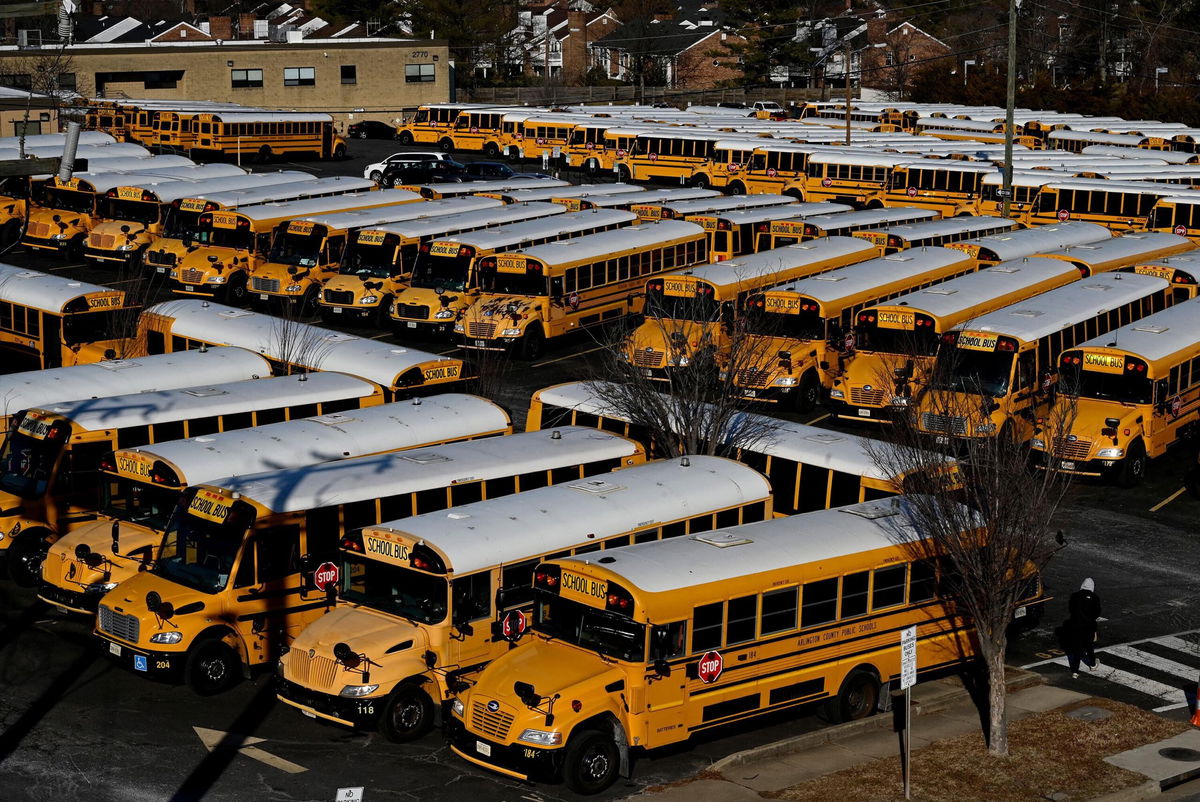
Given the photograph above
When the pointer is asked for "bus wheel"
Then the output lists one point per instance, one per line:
(446, 145)
(591, 762)
(25, 556)
(339, 152)
(383, 315)
(406, 138)
(533, 343)
(808, 394)
(856, 699)
(736, 188)
(699, 181)
(235, 294)
(309, 302)
(1133, 467)
(212, 667)
(1192, 480)
(264, 154)
(623, 174)
(491, 150)
(408, 714)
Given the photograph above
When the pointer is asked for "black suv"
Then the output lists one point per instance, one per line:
(371, 129)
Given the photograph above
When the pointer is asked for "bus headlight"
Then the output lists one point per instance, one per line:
(456, 707)
(511, 333)
(786, 381)
(105, 587)
(679, 361)
(541, 737)
(367, 300)
(443, 314)
(355, 691)
(128, 246)
(901, 400)
(16, 530)
(174, 636)
(292, 288)
(1037, 442)
(837, 394)
(1109, 453)
(216, 279)
(59, 235)
(458, 327)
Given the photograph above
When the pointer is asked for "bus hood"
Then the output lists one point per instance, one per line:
(286, 274)
(365, 631)
(129, 598)
(46, 223)
(550, 667)
(493, 308)
(62, 568)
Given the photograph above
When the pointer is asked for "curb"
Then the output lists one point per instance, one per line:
(1017, 680)
(1146, 790)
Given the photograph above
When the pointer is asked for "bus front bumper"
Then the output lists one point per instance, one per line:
(422, 328)
(518, 760)
(57, 245)
(158, 666)
(767, 395)
(357, 713)
(335, 312)
(69, 600)
(1095, 468)
(114, 257)
(847, 411)
(198, 290)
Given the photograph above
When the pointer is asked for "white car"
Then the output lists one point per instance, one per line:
(375, 171)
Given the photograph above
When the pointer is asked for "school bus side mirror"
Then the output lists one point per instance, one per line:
(662, 668)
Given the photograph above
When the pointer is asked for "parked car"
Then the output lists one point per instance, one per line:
(429, 171)
(375, 171)
(489, 171)
(371, 129)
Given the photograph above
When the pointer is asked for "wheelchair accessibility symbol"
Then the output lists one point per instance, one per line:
(139, 662)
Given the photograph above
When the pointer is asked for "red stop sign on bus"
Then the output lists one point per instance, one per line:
(710, 667)
(912, 191)
(826, 182)
(513, 625)
(1181, 230)
(1064, 215)
(325, 575)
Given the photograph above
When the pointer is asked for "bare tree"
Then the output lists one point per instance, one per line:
(991, 530)
(295, 345)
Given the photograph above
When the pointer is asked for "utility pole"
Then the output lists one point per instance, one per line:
(1011, 103)
(846, 70)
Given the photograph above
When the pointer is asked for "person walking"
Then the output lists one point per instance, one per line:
(1079, 630)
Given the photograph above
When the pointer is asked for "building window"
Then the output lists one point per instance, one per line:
(17, 81)
(299, 76)
(30, 128)
(349, 74)
(66, 80)
(418, 73)
(246, 79)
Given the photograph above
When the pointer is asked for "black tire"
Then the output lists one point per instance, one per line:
(362, 134)
(376, 175)
(533, 343)
(808, 393)
(698, 181)
(236, 292)
(264, 154)
(309, 302)
(446, 145)
(736, 188)
(408, 714)
(212, 667)
(623, 174)
(491, 150)
(339, 152)
(405, 137)
(25, 556)
(383, 316)
(388, 181)
(1133, 467)
(1192, 480)
(591, 762)
(856, 698)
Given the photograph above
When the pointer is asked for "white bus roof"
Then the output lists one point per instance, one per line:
(45, 291)
(813, 209)
(949, 225)
(322, 349)
(1058, 309)
(269, 117)
(725, 554)
(725, 202)
(42, 388)
(966, 292)
(579, 191)
(480, 218)
(326, 438)
(498, 237)
(865, 276)
(1139, 154)
(513, 528)
(1123, 249)
(293, 210)
(874, 218)
(225, 184)
(498, 185)
(418, 469)
(652, 196)
(594, 246)
(1112, 185)
(1158, 336)
(85, 138)
(127, 164)
(1028, 241)
(762, 214)
(764, 264)
(202, 401)
(250, 197)
(865, 160)
(400, 212)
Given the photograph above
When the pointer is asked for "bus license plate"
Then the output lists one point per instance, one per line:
(864, 413)
(752, 393)
(480, 343)
(483, 749)
(337, 310)
(1020, 613)
(1067, 466)
(115, 648)
(162, 270)
(941, 440)
(262, 296)
(189, 287)
(308, 713)
(412, 324)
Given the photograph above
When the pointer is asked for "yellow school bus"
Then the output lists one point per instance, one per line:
(896, 341)
(50, 321)
(479, 130)
(731, 163)
(775, 167)
(951, 188)
(141, 486)
(667, 154)
(681, 210)
(696, 309)
(432, 122)
(860, 180)
(1123, 251)
(49, 481)
(929, 233)
(596, 144)
(1183, 271)
(379, 261)
(657, 642)
(992, 249)
(545, 292)
(266, 135)
(738, 231)
(460, 594)
(838, 224)
(538, 135)
(801, 327)
(1118, 205)
(445, 279)
(279, 532)
(1132, 394)
(994, 375)
(1177, 214)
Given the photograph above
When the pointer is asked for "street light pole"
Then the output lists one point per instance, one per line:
(1011, 102)
(968, 63)
(1157, 72)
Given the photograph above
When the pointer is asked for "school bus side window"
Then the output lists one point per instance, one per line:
(669, 641)
(779, 610)
(245, 574)
(743, 616)
(472, 597)
(706, 626)
(820, 602)
(888, 589)
(516, 584)
(854, 594)
(922, 584)
(277, 553)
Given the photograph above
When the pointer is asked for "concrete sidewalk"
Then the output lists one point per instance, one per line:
(940, 710)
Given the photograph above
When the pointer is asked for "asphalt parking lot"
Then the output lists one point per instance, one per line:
(72, 724)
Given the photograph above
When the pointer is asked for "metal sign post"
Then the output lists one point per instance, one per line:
(908, 678)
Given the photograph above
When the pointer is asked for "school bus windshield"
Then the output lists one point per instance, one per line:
(137, 211)
(199, 553)
(394, 589)
(903, 342)
(181, 224)
(71, 200)
(240, 239)
(601, 631)
(977, 372)
(806, 325)
(527, 283)
(138, 502)
(1123, 388)
(301, 250)
(27, 463)
(370, 259)
(88, 327)
(689, 307)
(444, 272)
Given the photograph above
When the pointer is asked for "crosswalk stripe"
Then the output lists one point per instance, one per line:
(1153, 661)
(1140, 684)
(1179, 644)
